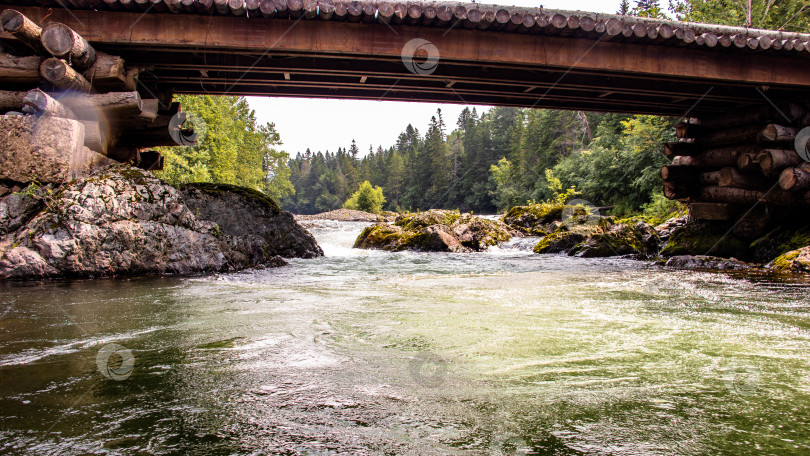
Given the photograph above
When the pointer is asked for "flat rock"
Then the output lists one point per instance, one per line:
(707, 262)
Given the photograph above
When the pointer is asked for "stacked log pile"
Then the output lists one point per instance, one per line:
(62, 75)
(722, 167)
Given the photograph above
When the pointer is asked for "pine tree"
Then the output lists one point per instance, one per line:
(648, 8)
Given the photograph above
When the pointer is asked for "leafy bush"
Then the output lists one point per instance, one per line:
(367, 198)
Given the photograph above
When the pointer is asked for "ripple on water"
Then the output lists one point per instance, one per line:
(370, 352)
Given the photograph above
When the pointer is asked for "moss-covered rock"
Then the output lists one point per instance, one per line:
(425, 219)
(434, 231)
(559, 241)
(607, 237)
(478, 233)
(793, 261)
(703, 238)
(534, 220)
(627, 237)
(383, 236)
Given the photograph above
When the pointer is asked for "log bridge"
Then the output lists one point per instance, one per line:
(743, 93)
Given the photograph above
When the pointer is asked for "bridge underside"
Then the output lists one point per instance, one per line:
(324, 59)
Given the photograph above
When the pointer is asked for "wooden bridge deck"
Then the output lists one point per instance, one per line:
(487, 55)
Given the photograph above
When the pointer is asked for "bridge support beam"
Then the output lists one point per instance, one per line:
(44, 149)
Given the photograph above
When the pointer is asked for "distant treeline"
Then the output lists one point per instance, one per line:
(494, 160)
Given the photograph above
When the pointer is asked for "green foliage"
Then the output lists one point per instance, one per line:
(507, 194)
(648, 8)
(556, 186)
(493, 161)
(367, 198)
(622, 166)
(789, 15)
(234, 150)
(661, 209)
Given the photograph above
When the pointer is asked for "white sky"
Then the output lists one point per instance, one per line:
(373, 123)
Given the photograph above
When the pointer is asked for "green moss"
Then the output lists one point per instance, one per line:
(788, 262)
(425, 219)
(133, 174)
(784, 262)
(530, 219)
(414, 232)
(220, 189)
(793, 261)
(558, 241)
(622, 239)
(383, 236)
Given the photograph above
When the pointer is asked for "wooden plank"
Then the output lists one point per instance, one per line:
(19, 70)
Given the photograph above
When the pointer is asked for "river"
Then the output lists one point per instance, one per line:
(376, 353)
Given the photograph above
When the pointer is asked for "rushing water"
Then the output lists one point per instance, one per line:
(367, 353)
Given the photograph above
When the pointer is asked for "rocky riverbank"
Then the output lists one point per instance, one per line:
(574, 231)
(122, 221)
(678, 242)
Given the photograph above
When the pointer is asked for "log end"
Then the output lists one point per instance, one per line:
(787, 179)
(57, 39)
(12, 20)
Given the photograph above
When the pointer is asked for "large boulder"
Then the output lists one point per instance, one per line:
(124, 221)
(434, 231)
(252, 223)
